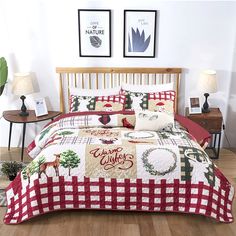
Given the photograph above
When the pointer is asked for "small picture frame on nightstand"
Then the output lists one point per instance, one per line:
(40, 107)
(194, 105)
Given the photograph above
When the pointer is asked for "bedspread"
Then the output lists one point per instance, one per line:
(98, 161)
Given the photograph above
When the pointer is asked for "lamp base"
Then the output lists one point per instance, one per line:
(23, 107)
(205, 108)
(24, 113)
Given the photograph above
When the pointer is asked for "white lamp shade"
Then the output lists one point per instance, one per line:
(207, 81)
(22, 84)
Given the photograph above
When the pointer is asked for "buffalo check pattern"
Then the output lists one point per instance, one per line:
(115, 98)
(166, 95)
(57, 193)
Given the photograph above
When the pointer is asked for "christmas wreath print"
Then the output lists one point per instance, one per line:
(132, 135)
(150, 167)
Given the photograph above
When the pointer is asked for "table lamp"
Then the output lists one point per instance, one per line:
(207, 84)
(22, 85)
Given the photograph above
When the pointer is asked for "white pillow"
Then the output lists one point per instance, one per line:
(148, 88)
(94, 92)
(153, 121)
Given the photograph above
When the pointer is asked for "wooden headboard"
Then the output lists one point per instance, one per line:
(109, 77)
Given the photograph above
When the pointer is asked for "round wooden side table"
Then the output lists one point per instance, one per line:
(14, 117)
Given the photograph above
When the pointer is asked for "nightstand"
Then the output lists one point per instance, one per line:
(212, 122)
(14, 117)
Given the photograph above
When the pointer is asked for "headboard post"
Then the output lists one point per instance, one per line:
(177, 94)
(62, 103)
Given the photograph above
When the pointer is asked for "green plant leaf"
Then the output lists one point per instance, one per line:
(11, 167)
(3, 71)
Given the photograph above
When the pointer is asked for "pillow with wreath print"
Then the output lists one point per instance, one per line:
(160, 101)
(97, 103)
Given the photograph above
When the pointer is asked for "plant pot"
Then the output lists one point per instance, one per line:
(1, 89)
(12, 177)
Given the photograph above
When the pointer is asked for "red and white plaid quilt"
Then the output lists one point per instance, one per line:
(90, 161)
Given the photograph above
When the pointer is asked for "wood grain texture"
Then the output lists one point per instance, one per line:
(14, 117)
(211, 121)
(116, 70)
(114, 223)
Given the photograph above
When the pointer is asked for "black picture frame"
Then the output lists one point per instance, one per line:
(135, 42)
(94, 27)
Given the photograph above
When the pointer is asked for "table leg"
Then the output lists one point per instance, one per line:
(218, 148)
(9, 141)
(23, 141)
(215, 136)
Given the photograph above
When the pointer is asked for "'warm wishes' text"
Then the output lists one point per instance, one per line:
(111, 158)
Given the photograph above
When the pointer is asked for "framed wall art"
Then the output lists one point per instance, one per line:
(94, 33)
(139, 33)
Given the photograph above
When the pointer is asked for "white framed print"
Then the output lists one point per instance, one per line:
(139, 33)
(194, 105)
(94, 33)
(40, 107)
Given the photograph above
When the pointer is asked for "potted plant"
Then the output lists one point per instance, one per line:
(3, 74)
(11, 168)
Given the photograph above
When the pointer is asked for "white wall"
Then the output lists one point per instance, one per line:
(40, 35)
(231, 111)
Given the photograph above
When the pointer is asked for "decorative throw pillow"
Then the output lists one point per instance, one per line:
(153, 121)
(159, 101)
(97, 103)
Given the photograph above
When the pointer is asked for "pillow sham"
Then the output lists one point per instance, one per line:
(148, 88)
(153, 121)
(95, 92)
(161, 101)
(97, 103)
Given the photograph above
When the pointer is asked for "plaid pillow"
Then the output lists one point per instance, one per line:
(97, 103)
(160, 101)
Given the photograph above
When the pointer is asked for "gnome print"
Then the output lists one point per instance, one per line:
(107, 107)
(160, 106)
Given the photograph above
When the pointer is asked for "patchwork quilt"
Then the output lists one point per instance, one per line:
(98, 161)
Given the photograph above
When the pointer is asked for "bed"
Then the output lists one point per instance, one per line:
(100, 157)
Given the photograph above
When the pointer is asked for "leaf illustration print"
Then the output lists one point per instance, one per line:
(129, 45)
(139, 44)
(95, 41)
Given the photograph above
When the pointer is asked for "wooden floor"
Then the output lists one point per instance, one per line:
(103, 223)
